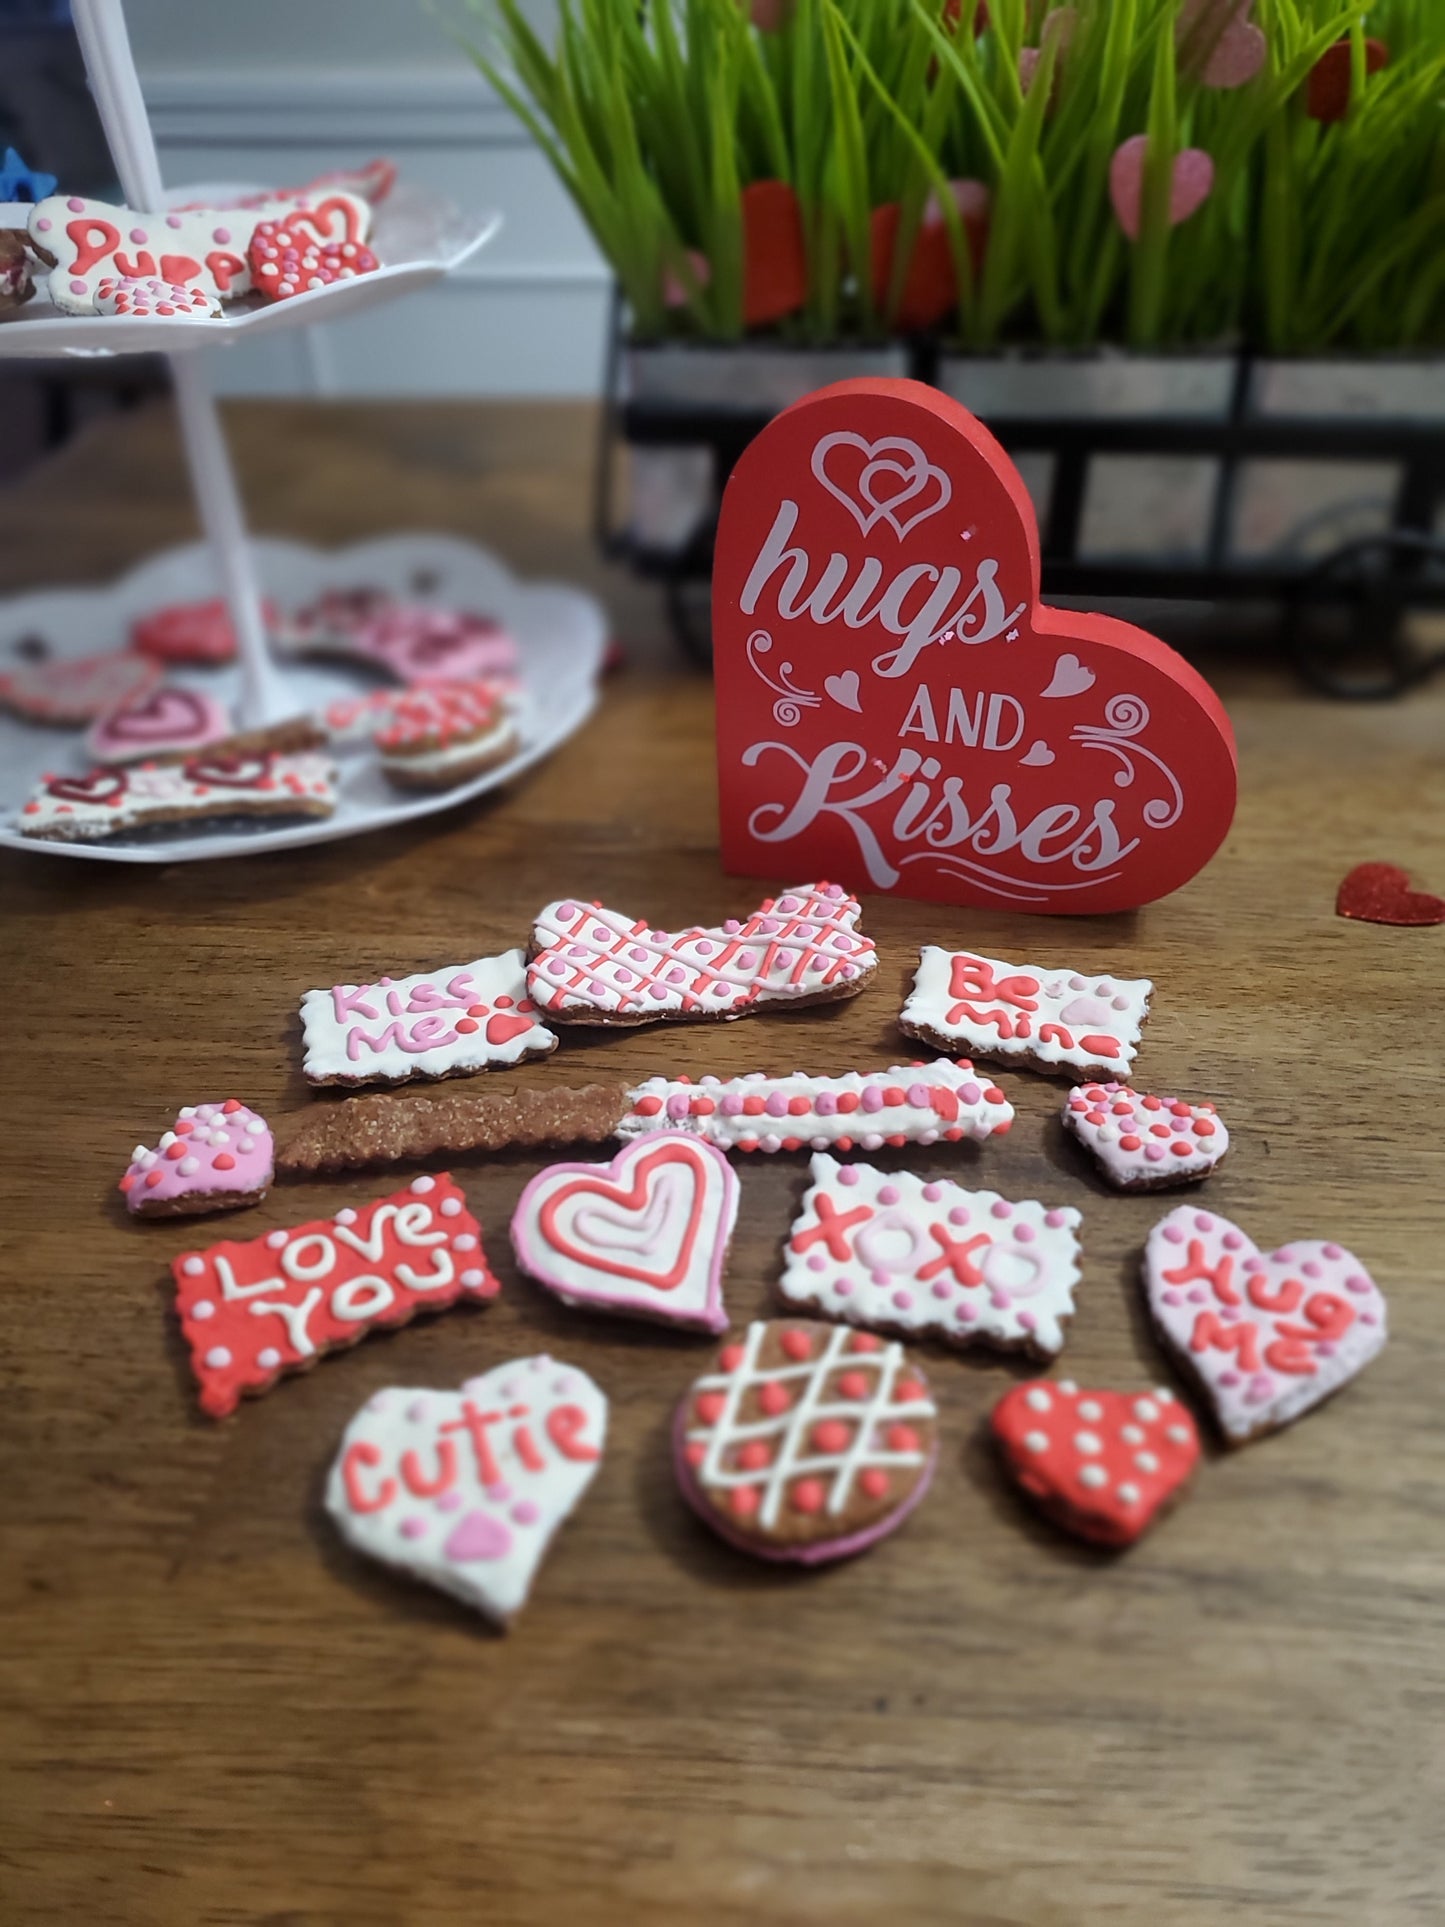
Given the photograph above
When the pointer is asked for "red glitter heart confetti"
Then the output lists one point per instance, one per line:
(1381, 893)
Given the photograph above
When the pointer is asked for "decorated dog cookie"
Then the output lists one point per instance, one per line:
(215, 1157)
(156, 300)
(168, 723)
(76, 689)
(102, 803)
(906, 1104)
(94, 241)
(438, 1023)
(897, 1252)
(466, 1490)
(1266, 1338)
(806, 1442)
(198, 632)
(1145, 1143)
(252, 1312)
(310, 247)
(597, 966)
(646, 1235)
(1026, 1014)
(1103, 1465)
(442, 735)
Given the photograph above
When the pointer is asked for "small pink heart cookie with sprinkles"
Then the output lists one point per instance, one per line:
(466, 1490)
(806, 1442)
(253, 1312)
(591, 965)
(1143, 1142)
(149, 300)
(1266, 1337)
(216, 1157)
(1101, 1464)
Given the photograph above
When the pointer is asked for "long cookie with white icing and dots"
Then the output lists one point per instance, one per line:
(896, 1252)
(1025, 1014)
(592, 965)
(1101, 1464)
(107, 802)
(806, 1442)
(215, 1157)
(253, 1312)
(466, 1490)
(1265, 1337)
(446, 1022)
(1143, 1142)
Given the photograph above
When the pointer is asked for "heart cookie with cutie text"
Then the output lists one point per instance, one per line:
(897, 709)
(646, 1235)
(466, 1490)
(1267, 1337)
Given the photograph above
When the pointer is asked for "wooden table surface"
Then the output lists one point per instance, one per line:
(214, 1712)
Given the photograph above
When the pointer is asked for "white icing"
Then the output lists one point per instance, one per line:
(1009, 1004)
(802, 943)
(893, 1268)
(414, 1420)
(433, 762)
(956, 1107)
(137, 794)
(1153, 1160)
(412, 1022)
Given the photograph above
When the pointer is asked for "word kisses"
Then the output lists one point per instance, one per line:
(920, 605)
(841, 784)
(437, 1023)
(274, 1304)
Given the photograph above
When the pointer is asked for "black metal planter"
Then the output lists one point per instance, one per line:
(1085, 430)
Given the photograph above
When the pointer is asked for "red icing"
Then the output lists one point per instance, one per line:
(565, 1426)
(676, 1154)
(832, 1228)
(328, 1285)
(1218, 1277)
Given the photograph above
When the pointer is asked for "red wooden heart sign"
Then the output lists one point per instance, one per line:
(896, 708)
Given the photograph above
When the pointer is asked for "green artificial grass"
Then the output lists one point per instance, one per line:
(1317, 235)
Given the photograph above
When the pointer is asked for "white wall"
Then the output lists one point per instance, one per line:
(277, 90)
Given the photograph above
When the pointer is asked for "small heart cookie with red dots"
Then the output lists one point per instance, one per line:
(806, 1442)
(447, 1022)
(215, 1157)
(311, 247)
(1101, 1464)
(1143, 1142)
(1266, 1337)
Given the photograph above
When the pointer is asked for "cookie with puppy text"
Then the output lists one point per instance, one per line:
(806, 1442)
(1265, 1336)
(1026, 1015)
(466, 1490)
(1102, 1464)
(1142, 1142)
(215, 1157)
(592, 965)
(646, 1235)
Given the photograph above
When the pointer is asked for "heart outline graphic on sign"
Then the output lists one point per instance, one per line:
(932, 787)
(915, 473)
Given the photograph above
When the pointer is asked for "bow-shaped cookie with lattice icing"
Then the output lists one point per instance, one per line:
(592, 965)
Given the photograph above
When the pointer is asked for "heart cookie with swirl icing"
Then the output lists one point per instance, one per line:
(466, 1490)
(646, 1235)
(1266, 1336)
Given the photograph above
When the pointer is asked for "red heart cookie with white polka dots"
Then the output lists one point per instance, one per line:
(1101, 1464)
(310, 248)
(1143, 1142)
(253, 1312)
(446, 1022)
(806, 1442)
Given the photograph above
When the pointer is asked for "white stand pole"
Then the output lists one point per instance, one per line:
(105, 44)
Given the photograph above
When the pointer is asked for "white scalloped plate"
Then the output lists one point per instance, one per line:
(560, 632)
(418, 237)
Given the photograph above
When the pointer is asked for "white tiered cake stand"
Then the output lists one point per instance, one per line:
(560, 632)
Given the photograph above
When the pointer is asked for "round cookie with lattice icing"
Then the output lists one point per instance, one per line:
(806, 1442)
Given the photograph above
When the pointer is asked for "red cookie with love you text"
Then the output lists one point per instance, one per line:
(806, 1442)
(253, 1312)
(646, 1235)
(897, 709)
(1101, 1464)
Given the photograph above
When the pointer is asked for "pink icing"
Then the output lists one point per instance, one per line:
(221, 1154)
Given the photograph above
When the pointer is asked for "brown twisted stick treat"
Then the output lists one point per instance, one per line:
(384, 1130)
